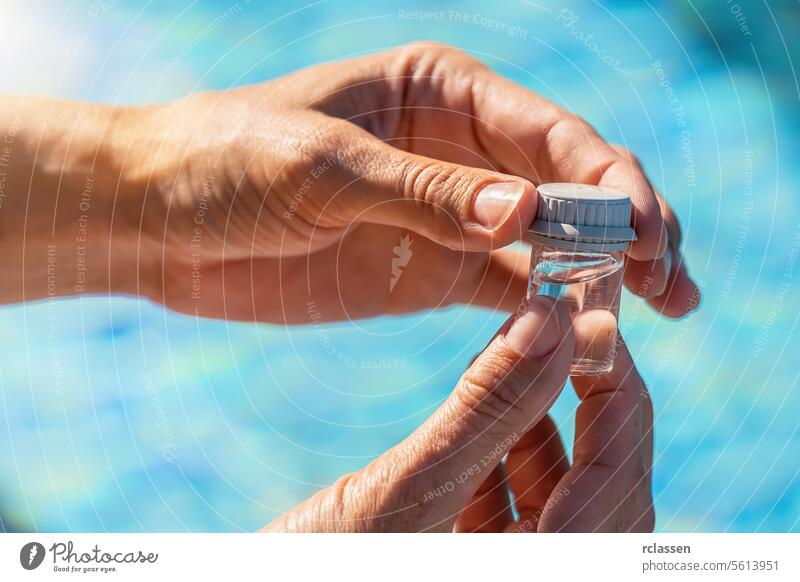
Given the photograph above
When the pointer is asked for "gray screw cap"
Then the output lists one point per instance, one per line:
(583, 216)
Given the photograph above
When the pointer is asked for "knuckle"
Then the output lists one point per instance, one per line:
(305, 155)
(493, 391)
(355, 500)
(295, 170)
(425, 56)
(386, 495)
(570, 128)
(359, 495)
(486, 406)
(578, 149)
(563, 145)
(420, 48)
(627, 155)
(601, 166)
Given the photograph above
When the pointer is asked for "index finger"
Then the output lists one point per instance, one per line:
(494, 122)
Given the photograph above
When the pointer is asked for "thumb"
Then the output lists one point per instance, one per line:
(460, 207)
(506, 391)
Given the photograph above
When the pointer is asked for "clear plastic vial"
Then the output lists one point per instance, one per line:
(579, 238)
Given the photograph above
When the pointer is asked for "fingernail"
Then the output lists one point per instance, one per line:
(494, 203)
(537, 331)
(666, 264)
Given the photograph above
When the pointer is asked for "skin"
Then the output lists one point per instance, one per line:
(252, 203)
(449, 475)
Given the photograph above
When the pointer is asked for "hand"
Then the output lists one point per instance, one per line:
(262, 198)
(248, 203)
(448, 474)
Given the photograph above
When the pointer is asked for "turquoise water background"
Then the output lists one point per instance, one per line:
(119, 416)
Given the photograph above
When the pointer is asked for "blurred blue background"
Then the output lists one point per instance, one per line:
(117, 415)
